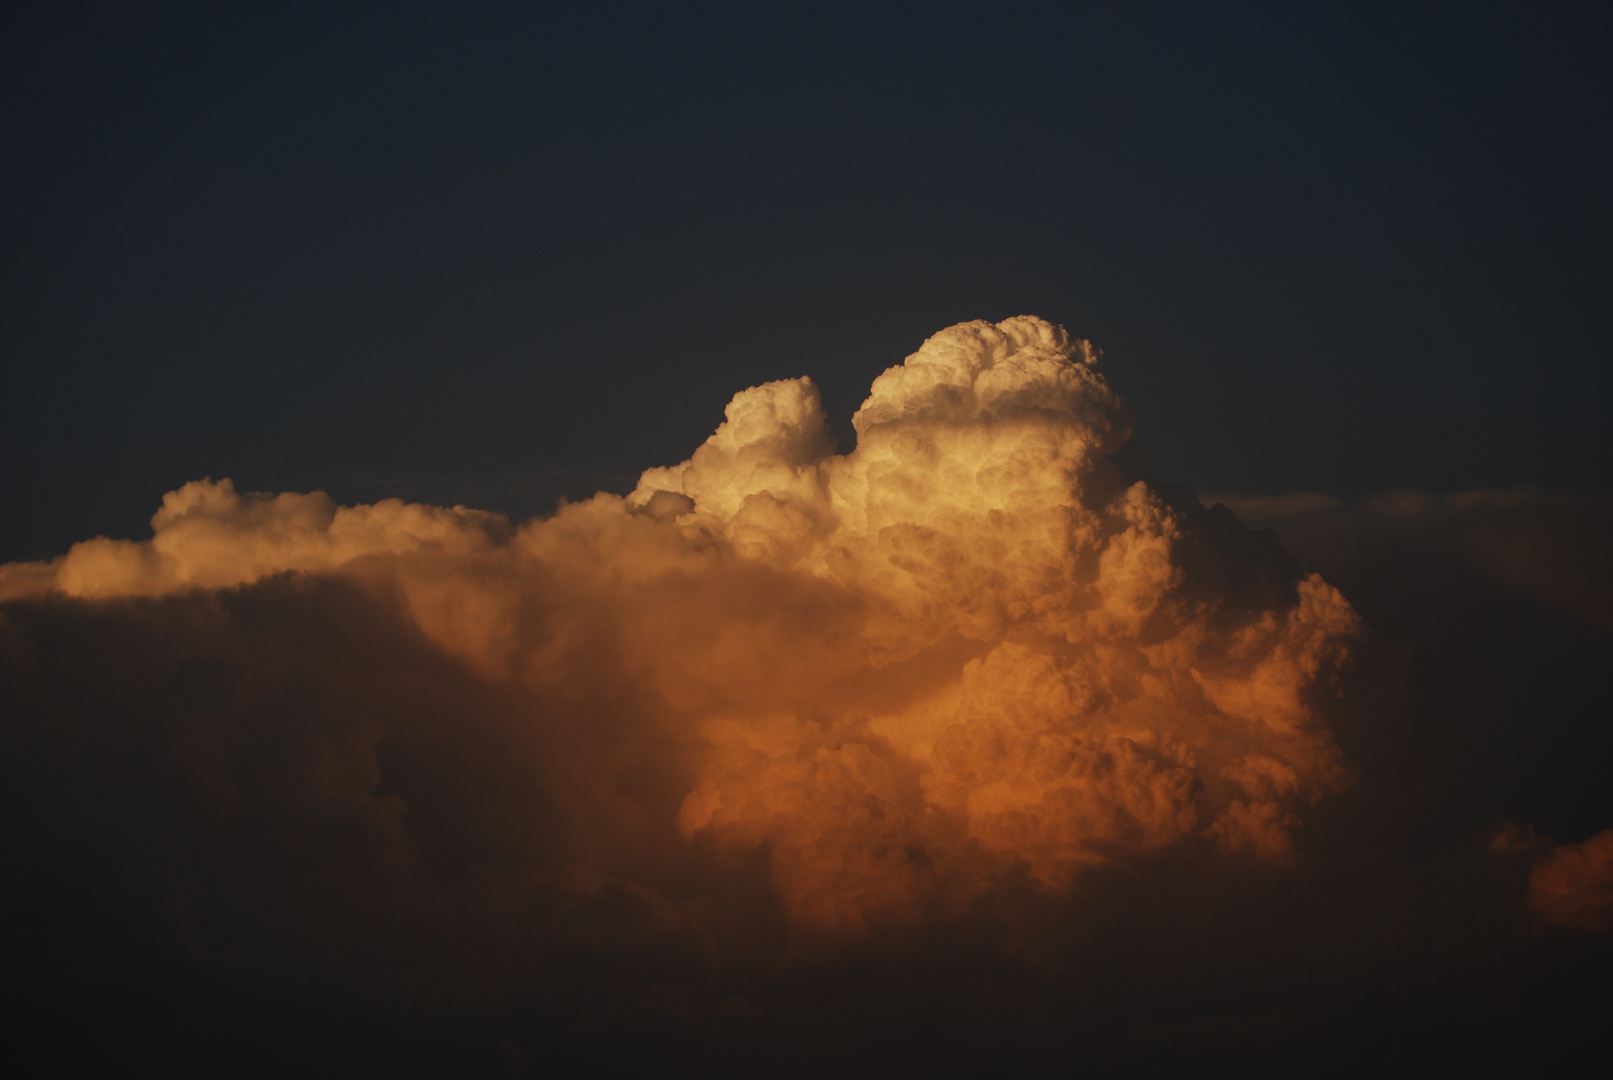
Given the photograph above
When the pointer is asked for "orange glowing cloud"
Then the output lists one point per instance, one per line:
(979, 643)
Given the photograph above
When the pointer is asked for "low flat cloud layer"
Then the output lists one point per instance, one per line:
(972, 745)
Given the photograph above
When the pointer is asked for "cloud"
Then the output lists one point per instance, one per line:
(780, 728)
(1574, 884)
(1071, 689)
(1543, 544)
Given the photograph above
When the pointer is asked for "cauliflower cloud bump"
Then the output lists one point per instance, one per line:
(1098, 701)
(980, 644)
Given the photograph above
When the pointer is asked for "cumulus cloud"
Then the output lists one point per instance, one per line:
(772, 732)
(971, 643)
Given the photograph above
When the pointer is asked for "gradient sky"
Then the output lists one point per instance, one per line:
(498, 255)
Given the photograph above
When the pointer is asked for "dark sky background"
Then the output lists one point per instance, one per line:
(500, 254)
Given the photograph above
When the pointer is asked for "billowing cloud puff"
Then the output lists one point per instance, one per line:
(980, 641)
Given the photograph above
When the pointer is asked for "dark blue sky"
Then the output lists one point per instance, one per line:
(502, 255)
